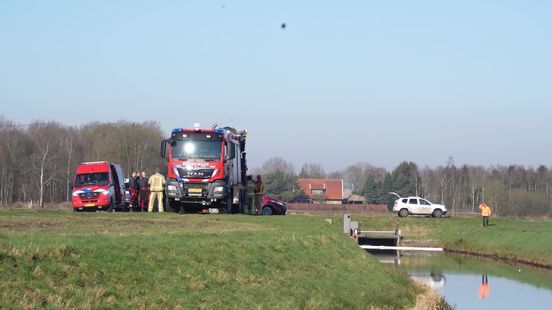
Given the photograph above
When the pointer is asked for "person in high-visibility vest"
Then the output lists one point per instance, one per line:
(156, 186)
(250, 194)
(485, 213)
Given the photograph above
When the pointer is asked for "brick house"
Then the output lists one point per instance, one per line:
(328, 191)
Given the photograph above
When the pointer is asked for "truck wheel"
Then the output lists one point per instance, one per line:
(403, 213)
(267, 210)
(176, 208)
(437, 213)
(167, 205)
(229, 202)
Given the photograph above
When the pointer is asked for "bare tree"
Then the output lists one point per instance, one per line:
(276, 164)
(312, 171)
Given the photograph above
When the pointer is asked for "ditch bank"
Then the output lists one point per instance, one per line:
(506, 259)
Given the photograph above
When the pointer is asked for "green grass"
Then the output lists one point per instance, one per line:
(61, 259)
(529, 240)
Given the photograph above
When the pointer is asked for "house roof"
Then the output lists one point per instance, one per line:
(333, 188)
(347, 193)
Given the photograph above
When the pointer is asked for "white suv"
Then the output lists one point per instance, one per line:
(417, 205)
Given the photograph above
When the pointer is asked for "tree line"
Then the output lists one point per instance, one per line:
(38, 160)
(510, 190)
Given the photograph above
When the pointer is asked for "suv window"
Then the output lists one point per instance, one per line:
(405, 200)
(413, 201)
(424, 202)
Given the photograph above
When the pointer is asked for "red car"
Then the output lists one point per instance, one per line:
(273, 206)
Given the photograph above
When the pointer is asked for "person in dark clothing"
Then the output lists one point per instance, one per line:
(135, 178)
(250, 194)
(144, 192)
(259, 192)
(134, 188)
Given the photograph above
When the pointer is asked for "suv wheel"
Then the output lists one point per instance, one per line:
(403, 213)
(437, 213)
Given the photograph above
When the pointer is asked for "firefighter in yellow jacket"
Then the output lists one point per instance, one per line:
(156, 186)
(485, 213)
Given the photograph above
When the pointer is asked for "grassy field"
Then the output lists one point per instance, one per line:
(528, 240)
(60, 259)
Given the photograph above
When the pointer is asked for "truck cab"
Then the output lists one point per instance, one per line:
(98, 186)
(206, 168)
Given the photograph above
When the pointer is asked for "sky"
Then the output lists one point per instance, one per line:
(344, 82)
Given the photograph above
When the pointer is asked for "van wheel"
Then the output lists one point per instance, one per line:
(403, 213)
(437, 213)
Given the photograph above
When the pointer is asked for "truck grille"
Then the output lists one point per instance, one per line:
(89, 195)
(202, 173)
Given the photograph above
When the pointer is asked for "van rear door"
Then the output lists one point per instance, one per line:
(116, 179)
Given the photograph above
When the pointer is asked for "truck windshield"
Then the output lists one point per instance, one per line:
(190, 149)
(91, 178)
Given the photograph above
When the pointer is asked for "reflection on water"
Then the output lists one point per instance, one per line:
(387, 257)
(435, 280)
(474, 283)
(484, 289)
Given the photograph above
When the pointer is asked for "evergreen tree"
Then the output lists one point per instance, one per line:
(371, 190)
(406, 180)
(387, 187)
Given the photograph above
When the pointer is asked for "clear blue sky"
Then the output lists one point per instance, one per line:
(346, 81)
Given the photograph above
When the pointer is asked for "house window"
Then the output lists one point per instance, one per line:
(317, 192)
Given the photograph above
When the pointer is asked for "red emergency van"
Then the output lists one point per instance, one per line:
(98, 186)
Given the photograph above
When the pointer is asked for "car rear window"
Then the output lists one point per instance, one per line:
(405, 200)
(413, 201)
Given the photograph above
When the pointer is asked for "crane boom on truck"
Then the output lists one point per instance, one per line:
(206, 169)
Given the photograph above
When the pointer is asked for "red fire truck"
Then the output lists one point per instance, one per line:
(206, 169)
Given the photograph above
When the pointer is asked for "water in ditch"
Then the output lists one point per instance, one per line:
(478, 283)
